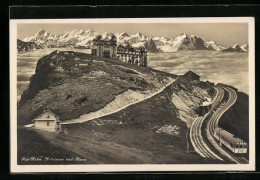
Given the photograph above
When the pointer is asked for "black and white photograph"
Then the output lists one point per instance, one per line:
(142, 94)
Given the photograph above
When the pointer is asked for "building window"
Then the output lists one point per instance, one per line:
(48, 123)
(48, 115)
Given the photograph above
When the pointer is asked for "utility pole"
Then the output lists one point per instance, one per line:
(187, 137)
(219, 136)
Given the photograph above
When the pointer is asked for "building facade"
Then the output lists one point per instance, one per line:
(132, 55)
(107, 47)
(47, 121)
(104, 47)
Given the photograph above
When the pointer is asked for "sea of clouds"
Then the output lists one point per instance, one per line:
(218, 67)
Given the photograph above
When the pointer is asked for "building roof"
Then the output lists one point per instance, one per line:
(131, 49)
(105, 37)
(120, 46)
(47, 115)
(191, 74)
(231, 137)
(140, 49)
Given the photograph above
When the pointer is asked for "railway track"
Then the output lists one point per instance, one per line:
(213, 123)
(218, 97)
(195, 131)
(197, 139)
(196, 127)
(243, 160)
(231, 101)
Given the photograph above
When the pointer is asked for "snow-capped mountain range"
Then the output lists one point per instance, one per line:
(83, 39)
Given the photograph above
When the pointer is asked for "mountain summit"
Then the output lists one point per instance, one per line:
(83, 39)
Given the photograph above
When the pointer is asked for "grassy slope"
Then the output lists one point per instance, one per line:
(85, 88)
(130, 137)
(32, 144)
(136, 126)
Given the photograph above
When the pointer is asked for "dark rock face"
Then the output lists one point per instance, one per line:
(150, 46)
(229, 49)
(236, 119)
(193, 43)
(186, 44)
(244, 47)
(41, 79)
(235, 48)
(198, 43)
(27, 46)
(51, 46)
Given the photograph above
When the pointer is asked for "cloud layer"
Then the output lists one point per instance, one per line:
(228, 68)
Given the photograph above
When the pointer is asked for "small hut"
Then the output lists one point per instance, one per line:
(47, 121)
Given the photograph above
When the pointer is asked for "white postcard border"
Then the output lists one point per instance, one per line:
(15, 168)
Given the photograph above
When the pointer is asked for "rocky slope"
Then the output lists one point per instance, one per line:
(27, 46)
(71, 84)
(83, 39)
(236, 119)
(236, 48)
(244, 47)
(150, 46)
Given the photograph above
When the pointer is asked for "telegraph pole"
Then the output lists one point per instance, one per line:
(187, 137)
(219, 136)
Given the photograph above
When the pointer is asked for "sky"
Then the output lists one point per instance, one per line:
(226, 34)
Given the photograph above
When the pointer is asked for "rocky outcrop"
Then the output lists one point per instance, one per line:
(236, 119)
(244, 47)
(150, 46)
(71, 84)
(184, 42)
(229, 49)
(27, 46)
(235, 48)
(198, 43)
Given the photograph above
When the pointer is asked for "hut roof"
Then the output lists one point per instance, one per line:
(43, 116)
(191, 74)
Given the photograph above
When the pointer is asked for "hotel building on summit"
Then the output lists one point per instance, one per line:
(104, 47)
(132, 55)
(107, 47)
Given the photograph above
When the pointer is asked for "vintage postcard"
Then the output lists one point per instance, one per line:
(138, 94)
